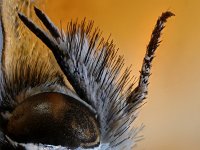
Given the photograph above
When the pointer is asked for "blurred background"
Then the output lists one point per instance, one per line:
(171, 115)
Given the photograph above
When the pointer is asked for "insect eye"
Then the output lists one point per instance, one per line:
(55, 119)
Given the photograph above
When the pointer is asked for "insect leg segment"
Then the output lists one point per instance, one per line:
(48, 24)
(39, 32)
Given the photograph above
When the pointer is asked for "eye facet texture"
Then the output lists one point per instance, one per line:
(56, 119)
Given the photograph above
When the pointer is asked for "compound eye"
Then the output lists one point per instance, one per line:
(55, 119)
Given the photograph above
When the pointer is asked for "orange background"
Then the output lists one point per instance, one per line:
(172, 113)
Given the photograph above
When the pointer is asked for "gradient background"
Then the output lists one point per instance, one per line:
(172, 113)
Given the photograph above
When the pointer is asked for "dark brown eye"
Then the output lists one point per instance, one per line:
(56, 119)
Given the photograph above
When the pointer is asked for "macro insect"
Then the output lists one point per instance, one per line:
(39, 109)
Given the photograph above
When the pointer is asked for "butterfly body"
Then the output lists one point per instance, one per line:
(36, 68)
